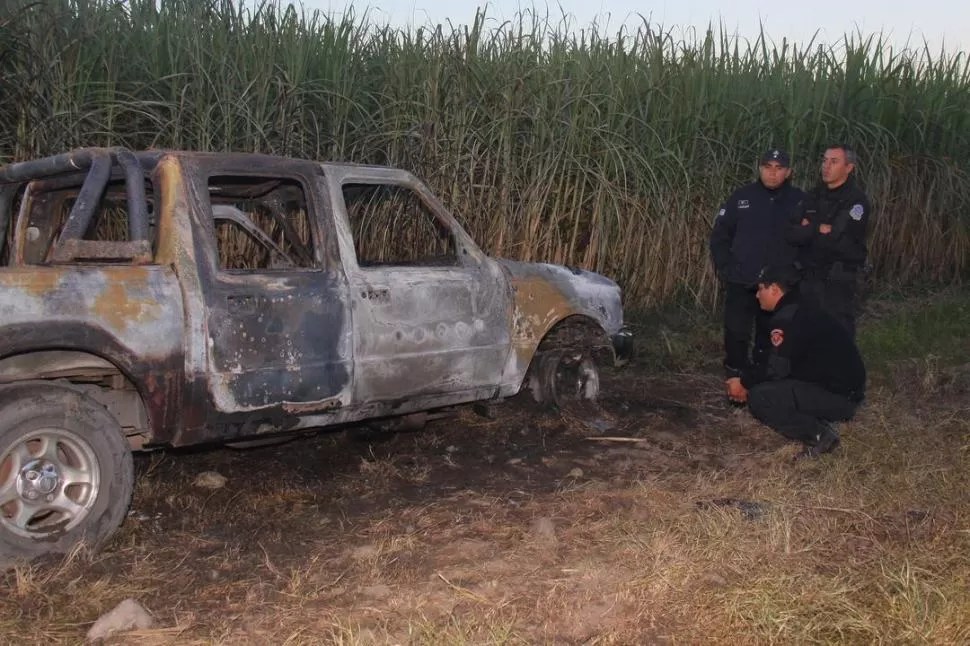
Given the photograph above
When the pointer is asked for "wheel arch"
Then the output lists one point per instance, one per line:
(87, 373)
(578, 330)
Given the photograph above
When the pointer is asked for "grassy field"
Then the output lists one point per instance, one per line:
(530, 529)
(551, 142)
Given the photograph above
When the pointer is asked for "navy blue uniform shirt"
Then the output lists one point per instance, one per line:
(752, 230)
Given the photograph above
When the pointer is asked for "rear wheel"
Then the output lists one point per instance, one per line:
(66, 472)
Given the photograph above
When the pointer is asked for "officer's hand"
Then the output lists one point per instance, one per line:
(805, 222)
(825, 229)
(736, 392)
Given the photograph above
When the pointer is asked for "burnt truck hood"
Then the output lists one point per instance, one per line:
(584, 292)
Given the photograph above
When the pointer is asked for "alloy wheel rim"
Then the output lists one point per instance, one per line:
(49, 482)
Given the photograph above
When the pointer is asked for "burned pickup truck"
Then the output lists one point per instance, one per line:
(165, 298)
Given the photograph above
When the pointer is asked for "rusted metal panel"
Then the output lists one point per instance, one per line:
(131, 316)
(305, 408)
(137, 252)
(277, 340)
(140, 306)
(176, 248)
(547, 294)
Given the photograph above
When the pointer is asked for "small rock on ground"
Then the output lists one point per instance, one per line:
(600, 424)
(714, 580)
(127, 615)
(545, 531)
(210, 480)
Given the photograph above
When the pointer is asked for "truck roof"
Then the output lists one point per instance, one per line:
(81, 159)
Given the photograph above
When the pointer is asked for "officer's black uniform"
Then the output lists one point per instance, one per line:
(814, 374)
(834, 261)
(751, 231)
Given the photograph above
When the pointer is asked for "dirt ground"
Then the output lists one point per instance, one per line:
(657, 516)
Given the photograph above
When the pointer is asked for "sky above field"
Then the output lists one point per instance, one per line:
(939, 22)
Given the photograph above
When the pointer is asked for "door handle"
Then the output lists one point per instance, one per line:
(376, 294)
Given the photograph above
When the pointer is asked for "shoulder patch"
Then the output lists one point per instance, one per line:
(777, 337)
(720, 213)
(856, 212)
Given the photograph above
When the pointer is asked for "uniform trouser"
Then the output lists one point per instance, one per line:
(741, 312)
(837, 297)
(798, 409)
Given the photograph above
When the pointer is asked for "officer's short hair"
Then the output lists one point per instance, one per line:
(785, 276)
(851, 157)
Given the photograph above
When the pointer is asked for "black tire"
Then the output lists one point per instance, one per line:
(66, 473)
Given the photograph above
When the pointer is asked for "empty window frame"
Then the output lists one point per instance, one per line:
(261, 223)
(392, 226)
(49, 210)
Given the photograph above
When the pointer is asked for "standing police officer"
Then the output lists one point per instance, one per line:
(813, 376)
(832, 233)
(751, 231)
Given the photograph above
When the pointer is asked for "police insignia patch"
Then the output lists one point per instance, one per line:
(721, 212)
(777, 337)
(856, 212)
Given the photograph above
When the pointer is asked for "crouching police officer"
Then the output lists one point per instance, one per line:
(832, 235)
(814, 375)
(751, 231)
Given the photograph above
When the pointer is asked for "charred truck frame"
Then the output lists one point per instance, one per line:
(166, 298)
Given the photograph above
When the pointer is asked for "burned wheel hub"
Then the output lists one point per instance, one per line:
(577, 377)
(564, 376)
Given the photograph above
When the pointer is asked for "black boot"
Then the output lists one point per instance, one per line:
(825, 442)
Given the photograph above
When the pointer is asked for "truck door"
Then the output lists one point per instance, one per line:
(278, 317)
(431, 312)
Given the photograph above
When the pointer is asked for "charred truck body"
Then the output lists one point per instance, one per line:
(166, 298)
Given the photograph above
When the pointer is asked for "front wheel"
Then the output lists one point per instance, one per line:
(66, 473)
(564, 376)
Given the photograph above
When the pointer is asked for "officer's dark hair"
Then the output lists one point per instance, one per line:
(851, 157)
(785, 276)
